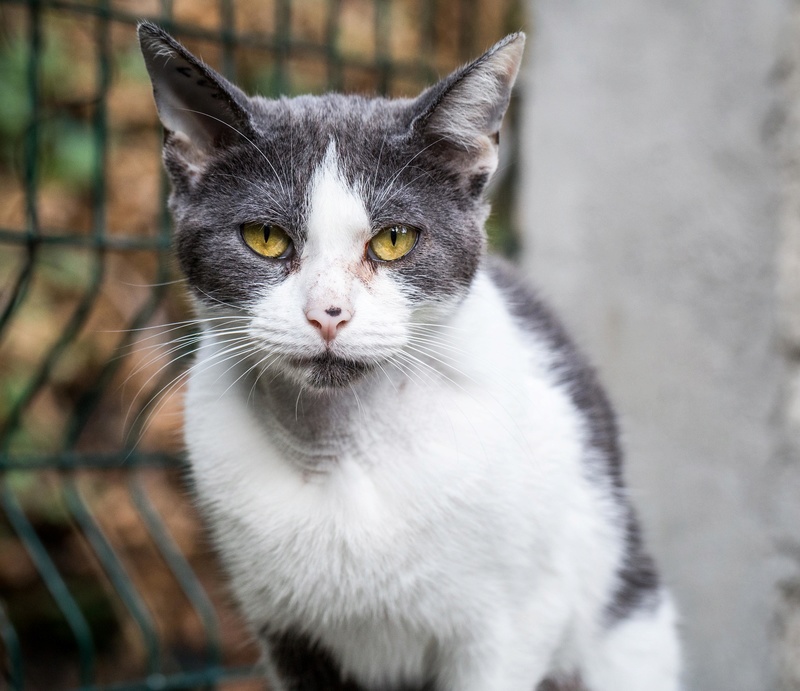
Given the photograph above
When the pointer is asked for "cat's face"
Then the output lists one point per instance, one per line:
(327, 227)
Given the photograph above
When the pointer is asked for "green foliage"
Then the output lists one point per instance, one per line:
(128, 64)
(63, 138)
(14, 106)
(68, 155)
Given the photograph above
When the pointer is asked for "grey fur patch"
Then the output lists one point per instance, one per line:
(638, 584)
(306, 666)
(573, 683)
(328, 371)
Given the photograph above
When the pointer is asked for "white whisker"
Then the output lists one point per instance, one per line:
(153, 285)
(358, 403)
(209, 361)
(436, 343)
(297, 402)
(176, 345)
(378, 203)
(391, 382)
(263, 364)
(243, 136)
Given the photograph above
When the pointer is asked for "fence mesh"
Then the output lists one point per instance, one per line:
(106, 578)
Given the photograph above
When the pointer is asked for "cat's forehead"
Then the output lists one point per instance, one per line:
(337, 219)
(313, 121)
(305, 148)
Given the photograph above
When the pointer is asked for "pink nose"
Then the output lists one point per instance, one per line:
(328, 321)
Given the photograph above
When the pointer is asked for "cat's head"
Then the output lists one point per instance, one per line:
(327, 227)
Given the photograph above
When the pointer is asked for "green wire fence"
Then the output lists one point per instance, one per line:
(106, 578)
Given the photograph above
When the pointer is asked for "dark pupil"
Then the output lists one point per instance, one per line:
(393, 233)
(267, 231)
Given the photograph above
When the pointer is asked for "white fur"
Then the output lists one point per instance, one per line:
(338, 230)
(428, 521)
(639, 653)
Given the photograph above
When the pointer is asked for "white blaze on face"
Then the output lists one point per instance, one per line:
(338, 230)
(337, 300)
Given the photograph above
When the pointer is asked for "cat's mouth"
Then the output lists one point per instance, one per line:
(327, 370)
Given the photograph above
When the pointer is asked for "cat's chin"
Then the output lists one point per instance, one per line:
(328, 371)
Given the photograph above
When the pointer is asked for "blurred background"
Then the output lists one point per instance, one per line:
(649, 185)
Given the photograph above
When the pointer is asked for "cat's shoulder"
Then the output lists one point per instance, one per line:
(525, 305)
(573, 370)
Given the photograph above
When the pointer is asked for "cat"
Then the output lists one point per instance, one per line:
(411, 475)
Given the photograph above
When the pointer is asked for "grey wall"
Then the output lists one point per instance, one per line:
(660, 203)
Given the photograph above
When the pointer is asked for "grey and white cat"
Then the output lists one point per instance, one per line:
(412, 477)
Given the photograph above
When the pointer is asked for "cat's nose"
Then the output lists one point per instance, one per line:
(328, 320)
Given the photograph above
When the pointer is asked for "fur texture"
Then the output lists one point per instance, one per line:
(427, 493)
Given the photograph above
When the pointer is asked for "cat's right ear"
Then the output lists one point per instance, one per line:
(199, 108)
(464, 110)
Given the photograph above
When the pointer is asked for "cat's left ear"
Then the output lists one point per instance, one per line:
(466, 108)
(200, 109)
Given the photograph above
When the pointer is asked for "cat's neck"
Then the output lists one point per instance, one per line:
(317, 423)
(315, 428)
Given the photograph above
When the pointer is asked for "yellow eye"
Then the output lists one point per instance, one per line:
(267, 239)
(392, 243)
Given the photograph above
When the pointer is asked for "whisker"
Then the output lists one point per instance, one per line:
(377, 166)
(218, 301)
(516, 432)
(358, 402)
(264, 190)
(397, 190)
(243, 136)
(443, 362)
(166, 391)
(153, 285)
(264, 364)
(297, 402)
(189, 370)
(139, 345)
(414, 367)
(160, 403)
(436, 342)
(243, 374)
(431, 326)
(175, 325)
(379, 203)
(391, 382)
(155, 354)
(179, 344)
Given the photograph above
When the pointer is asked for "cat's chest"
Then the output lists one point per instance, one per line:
(383, 475)
(354, 540)
(376, 525)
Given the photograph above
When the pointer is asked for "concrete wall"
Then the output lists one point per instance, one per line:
(661, 208)
(784, 497)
